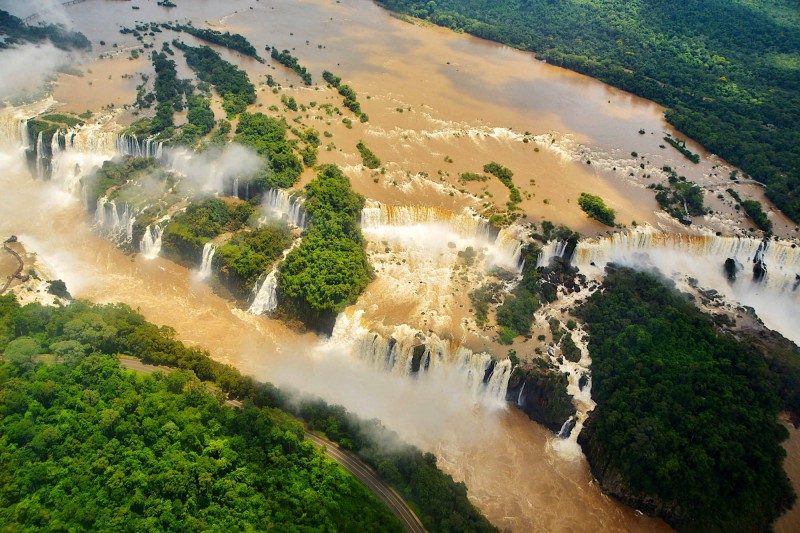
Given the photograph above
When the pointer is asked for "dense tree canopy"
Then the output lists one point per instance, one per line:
(146, 430)
(727, 69)
(595, 207)
(330, 269)
(14, 31)
(685, 417)
(86, 445)
(267, 136)
(231, 83)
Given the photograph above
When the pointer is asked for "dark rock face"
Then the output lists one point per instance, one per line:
(541, 393)
(730, 269)
(759, 271)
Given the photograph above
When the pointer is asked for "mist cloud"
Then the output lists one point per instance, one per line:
(27, 68)
(212, 172)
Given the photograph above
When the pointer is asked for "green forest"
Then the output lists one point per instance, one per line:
(85, 444)
(727, 70)
(686, 418)
(329, 269)
(14, 32)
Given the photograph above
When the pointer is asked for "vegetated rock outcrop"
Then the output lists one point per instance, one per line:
(540, 391)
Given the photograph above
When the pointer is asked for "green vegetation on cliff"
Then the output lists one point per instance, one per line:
(115, 174)
(187, 232)
(728, 70)
(329, 269)
(515, 315)
(686, 419)
(87, 445)
(248, 255)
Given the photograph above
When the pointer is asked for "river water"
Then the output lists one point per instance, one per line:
(431, 95)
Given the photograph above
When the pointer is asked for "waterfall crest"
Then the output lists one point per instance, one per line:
(150, 245)
(114, 222)
(205, 263)
(280, 203)
(404, 351)
(130, 145)
(465, 225)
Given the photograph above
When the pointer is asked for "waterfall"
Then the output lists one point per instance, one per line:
(519, 398)
(24, 134)
(551, 250)
(509, 247)
(150, 245)
(566, 428)
(236, 187)
(405, 351)
(208, 256)
(110, 222)
(130, 145)
(41, 157)
(266, 297)
(781, 257)
(465, 225)
(280, 203)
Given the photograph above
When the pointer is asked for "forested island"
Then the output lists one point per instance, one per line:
(727, 71)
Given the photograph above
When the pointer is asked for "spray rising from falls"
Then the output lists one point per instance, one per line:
(130, 145)
(113, 221)
(205, 263)
(404, 351)
(150, 245)
(468, 228)
(763, 274)
(280, 203)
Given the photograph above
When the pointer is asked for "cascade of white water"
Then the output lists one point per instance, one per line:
(519, 398)
(280, 203)
(266, 297)
(208, 256)
(566, 428)
(130, 145)
(41, 157)
(465, 225)
(551, 250)
(55, 145)
(110, 222)
(24, 134)
(236, 187)
(509, 247)
(403, 350)
(150, 245)
(265, 294)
